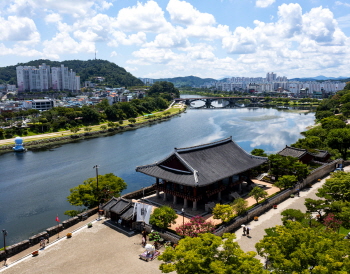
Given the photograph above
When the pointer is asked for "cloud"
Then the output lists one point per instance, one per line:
(319, 24)
(148, 17)
(184, 13)
(113, 54)
(19, 50)
(172, 39)
(63, 43)
(153, 55)
(119, 37)
(264, 3)
(339, 3)
(242, 41)
(18, 29)
(53, 18)
(77, 9)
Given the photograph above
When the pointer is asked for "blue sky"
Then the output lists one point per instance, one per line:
(170, 38)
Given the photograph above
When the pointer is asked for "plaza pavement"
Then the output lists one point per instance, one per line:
(101, 249)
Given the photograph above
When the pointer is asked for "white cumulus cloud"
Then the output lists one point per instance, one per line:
(142, 17)
(264, 3)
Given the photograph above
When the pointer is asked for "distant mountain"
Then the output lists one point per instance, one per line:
(320, 78)
(87, 70)
(188, 81)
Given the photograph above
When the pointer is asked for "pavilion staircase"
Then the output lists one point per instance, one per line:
(261, 176)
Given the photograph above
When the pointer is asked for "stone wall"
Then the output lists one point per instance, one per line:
(138, 194)
(34, 240)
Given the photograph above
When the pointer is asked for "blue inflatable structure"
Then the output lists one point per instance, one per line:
(18, 145)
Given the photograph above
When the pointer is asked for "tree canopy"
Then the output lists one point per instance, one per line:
(223, 212)
(294, 248)
(86, 194)
(163, 217)
(258, 193)
(208, 253)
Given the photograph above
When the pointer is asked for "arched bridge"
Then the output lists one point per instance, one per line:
(227, 102)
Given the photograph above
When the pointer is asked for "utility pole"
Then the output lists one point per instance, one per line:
(98, 193)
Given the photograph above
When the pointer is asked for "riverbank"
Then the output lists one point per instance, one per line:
(51, 140)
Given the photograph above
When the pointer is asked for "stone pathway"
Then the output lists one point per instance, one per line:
(273, 217)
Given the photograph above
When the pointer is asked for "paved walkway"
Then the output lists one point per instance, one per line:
(273, 217)
(99, 249)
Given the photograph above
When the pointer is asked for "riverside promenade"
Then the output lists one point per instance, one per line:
(101, 249)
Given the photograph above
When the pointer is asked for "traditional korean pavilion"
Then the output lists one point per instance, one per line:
(201, 173)
(304, 156)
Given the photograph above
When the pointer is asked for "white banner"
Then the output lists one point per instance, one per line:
(143, 212)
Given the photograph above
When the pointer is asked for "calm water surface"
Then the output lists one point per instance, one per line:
(34, 185)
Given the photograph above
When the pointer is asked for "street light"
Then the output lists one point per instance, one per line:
(183, 217)
(98, 196)
(4, 232)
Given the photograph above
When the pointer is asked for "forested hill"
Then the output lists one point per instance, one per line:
(115, 76)
(187, 81)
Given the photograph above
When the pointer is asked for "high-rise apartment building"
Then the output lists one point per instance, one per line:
(41, 79)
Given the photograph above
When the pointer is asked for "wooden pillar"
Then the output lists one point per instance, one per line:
(219, 196)
(174, 199)
(185, 203)
(194, 205)
(195, 201)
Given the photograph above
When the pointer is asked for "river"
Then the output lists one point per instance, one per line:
(34, 185)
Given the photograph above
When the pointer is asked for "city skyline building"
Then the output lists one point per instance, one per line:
(44, 78)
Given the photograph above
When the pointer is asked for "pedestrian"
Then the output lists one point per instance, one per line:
(248, 231)
(244, 230)
(47, 239)
(298, 192)
(143, 243)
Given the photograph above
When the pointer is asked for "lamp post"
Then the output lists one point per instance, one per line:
(4, 233)
(97, 190)
(183, 217)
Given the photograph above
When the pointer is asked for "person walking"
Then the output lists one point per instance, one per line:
(244, 230)
(248, 231)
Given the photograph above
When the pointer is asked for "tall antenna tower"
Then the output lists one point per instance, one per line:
(95, 54)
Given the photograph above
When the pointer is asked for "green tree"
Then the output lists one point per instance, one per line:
(103, 127)
(294, 248)
(317, 206)
(258, 152)
(87, 129)
(163, 217)
(332, 123)
(282, 165)
(339, 139)
(292, 215)
(132, 120)
(240, 206)
(74, 129)
(208, 253)
(286, 181)
(258, 193)
(336, 188)
(86, 194)
(223, 212)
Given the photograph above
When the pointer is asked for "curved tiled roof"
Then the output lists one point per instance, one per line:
(204, 164)
(293, 152)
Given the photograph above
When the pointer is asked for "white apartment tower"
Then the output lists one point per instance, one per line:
(60, 78)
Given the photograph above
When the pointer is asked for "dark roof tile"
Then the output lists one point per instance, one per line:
(205, 164)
